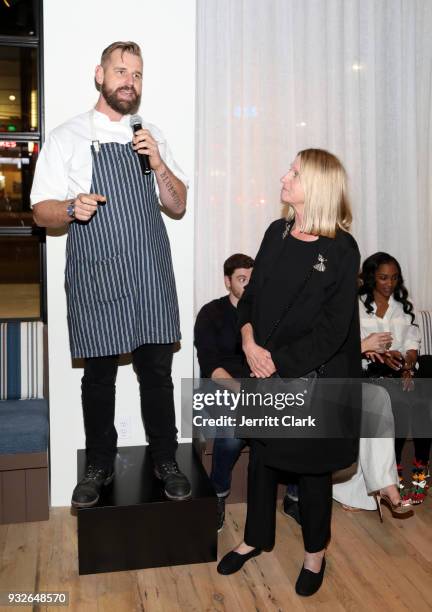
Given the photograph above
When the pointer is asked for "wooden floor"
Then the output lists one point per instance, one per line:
(370, 567)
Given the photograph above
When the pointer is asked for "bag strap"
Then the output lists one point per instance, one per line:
(296, 296)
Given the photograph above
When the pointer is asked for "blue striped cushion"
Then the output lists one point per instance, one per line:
(21, 360)
(425, 324)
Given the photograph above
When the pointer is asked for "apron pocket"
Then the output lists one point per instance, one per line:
(111, 279)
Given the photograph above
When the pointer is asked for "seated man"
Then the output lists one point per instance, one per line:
(220, 356)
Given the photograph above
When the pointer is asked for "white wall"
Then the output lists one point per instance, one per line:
(75, 34)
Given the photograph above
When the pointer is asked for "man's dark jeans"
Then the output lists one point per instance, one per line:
(152, 363)
(226, 451)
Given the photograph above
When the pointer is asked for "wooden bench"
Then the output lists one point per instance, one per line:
(24, 423)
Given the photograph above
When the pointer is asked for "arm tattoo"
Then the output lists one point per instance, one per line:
(171, 189)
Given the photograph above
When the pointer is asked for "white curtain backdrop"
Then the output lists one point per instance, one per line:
(277, 76)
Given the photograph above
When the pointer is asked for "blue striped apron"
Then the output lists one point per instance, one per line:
(120, 283)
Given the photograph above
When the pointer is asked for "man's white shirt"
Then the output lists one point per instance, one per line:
(64, 166)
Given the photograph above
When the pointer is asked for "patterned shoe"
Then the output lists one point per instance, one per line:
(419, 482)
(405, 492)
(176, 485)
(88, 490)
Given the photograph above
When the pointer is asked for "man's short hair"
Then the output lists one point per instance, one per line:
(127, 46)
(238, 260)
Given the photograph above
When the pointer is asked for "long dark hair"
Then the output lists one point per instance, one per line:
(369, 268)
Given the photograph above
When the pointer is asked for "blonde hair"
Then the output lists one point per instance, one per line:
(125, 47)
(324, 181)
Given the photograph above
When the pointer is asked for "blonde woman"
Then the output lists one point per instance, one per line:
(319, 332)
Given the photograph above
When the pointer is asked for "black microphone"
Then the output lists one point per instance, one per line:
(136, 124)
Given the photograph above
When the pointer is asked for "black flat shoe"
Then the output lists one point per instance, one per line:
(233, 562)
(309, 582)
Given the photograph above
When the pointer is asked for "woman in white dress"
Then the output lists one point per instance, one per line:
(390, 341)
(385, 307)
(376, 478)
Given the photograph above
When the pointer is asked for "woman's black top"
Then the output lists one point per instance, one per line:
(280, 288)
(321, 328)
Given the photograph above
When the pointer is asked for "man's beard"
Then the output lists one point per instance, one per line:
(124, 107)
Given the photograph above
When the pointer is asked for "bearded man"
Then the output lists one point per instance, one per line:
(120, 285)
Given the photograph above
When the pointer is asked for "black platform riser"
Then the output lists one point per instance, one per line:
(135, 527)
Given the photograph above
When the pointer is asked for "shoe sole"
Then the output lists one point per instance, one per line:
(93, 503)
(173, 497)
(178, 497)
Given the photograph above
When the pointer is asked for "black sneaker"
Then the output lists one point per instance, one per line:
(220, 513)
(292, 491)
(291, 508)
(87, 491)
(176, 485)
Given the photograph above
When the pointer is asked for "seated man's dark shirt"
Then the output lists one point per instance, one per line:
(218, 340)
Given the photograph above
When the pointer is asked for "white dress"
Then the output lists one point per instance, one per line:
(376, 465)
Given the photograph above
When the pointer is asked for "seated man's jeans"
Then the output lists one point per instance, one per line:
(226, 451)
